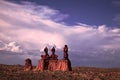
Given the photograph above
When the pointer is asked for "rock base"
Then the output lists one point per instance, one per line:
(54, 65)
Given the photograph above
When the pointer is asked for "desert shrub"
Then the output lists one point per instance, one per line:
(15, 72)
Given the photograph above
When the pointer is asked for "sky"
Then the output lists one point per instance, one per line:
(91, 29)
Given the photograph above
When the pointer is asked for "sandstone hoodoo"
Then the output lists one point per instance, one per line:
(53, 56)
(28, 65)
(52, 63)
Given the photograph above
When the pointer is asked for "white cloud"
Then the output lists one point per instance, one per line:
(30, 27)
(11, 46)
(117, 19)
(34, 26)
(14, 47)
(102, 29)
(116, 3)
(2, 45)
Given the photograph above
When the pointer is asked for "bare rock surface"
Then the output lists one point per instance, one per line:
(28, 65)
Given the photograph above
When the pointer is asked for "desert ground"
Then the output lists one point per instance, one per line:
(16, 72)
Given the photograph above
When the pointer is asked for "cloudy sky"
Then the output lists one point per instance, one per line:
(91, 29)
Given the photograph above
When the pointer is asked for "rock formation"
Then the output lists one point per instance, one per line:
(65, 57)
(28, 65)
(53, 56)
(52, 63)
(44, 61)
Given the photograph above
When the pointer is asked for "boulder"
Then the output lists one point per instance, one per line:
(28, 65)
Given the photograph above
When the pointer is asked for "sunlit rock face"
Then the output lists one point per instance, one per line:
(28, 65)
(52, 63)
(62, 65)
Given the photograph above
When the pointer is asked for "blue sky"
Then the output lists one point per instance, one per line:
(90, 29)
(95, 12)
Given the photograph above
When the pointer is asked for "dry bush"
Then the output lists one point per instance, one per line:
(15, 72)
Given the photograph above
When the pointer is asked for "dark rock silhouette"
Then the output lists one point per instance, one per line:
(28, 65)
(53, 56)
(65, 52)
(52, 63)
(46, 55)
